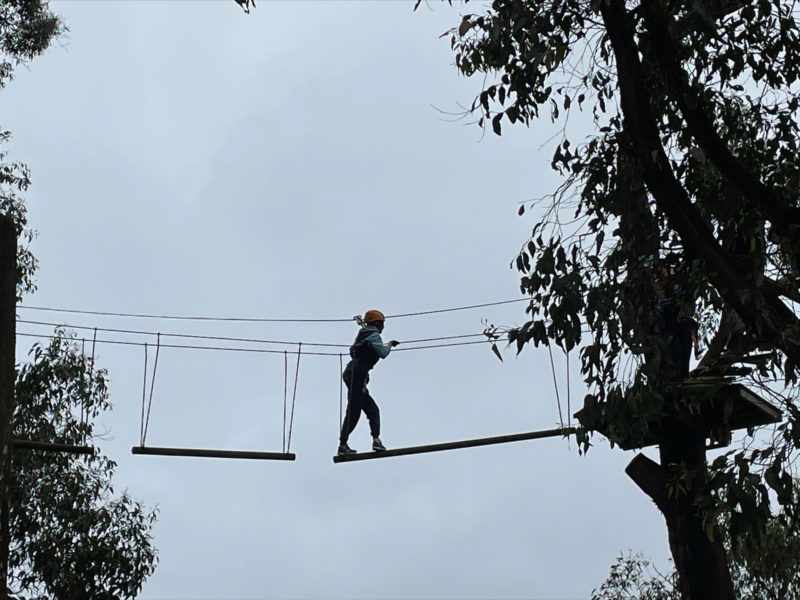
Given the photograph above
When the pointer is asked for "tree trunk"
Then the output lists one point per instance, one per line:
(759, 306)
(8, 296)
(699, 559)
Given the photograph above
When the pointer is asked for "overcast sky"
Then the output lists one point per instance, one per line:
(307, 161)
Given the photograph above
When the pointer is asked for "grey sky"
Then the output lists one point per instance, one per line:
(300, 162)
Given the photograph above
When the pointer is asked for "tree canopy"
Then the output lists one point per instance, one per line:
(71, 535)
(27, 27)
(765, 570)
(692, 153)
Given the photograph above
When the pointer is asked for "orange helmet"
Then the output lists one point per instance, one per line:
(373, 315)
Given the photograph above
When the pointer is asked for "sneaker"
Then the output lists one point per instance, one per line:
(344, 450)
(377, 445)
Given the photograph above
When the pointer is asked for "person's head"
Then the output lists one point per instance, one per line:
(668, 266)
(374, 318)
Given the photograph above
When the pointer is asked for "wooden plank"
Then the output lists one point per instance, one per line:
(208, 453)
(51, 447)
(501, 439)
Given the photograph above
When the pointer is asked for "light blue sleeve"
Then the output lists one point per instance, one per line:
(375, 340)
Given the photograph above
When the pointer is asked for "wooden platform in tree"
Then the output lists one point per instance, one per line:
(720, 408)
(51, 447)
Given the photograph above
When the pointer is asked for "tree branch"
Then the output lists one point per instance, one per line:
(651, 479)
(763, 312)
(784, 218)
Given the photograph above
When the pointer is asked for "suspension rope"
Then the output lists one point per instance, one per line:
(294, 395)
(569, 409)
(250, 350)
(259, 319)
(94, 344)
(91, 378)
(285, 390)
(152, 385)
(555, 385)
(341, 384)
(198, 337)
(83, 386)
(101, 313)
(444, 310)
(230, 339)
(144, 396)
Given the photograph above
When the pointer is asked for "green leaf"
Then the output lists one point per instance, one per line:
(497, 352)
(496, 123)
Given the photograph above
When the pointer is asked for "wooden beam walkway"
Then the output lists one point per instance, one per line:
(501, 439)
(208, 453)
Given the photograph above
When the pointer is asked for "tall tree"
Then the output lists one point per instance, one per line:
(71, 535)
(694, 152)
(766, 570)
(66, 533)
(26, 29)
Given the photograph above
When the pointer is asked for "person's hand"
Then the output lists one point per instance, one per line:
(393, 343)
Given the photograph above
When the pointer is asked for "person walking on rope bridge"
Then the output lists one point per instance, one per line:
(367, 349)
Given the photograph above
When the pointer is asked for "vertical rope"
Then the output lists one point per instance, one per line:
(83, 385)
(144, 396)
(91, 376)
(285, 391)
(555, 385)
(569, 409)
(152, 385)
(341, 384)
(294, 395)
(91, 363)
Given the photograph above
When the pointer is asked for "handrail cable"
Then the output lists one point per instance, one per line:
(250, 350)
(261, 319)
(227, 339)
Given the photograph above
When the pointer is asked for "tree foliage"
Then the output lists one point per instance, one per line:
(764, 571)
(72, 535)
(693, 112)
(27, 27)
(14, 180)
(633, 577)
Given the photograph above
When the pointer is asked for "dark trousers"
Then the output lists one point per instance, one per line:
(675, 362)
(355, 377)
(680, 349)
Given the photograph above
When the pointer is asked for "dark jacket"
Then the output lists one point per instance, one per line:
(368, 347)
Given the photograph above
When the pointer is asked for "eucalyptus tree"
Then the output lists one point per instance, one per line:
(766, 569)
(65, 532)
(72, 535)
(692, 152)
